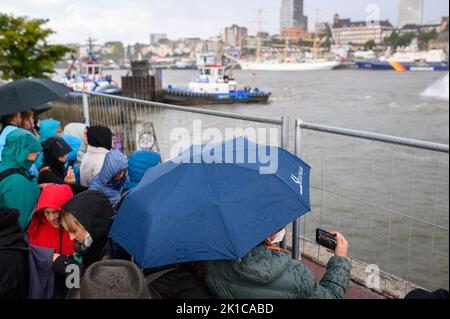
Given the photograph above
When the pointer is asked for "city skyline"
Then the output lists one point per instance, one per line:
(134, 21)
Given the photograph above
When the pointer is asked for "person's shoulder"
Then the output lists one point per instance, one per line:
(15, 178)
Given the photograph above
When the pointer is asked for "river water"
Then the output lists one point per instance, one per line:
(391, 195)
(382, 102)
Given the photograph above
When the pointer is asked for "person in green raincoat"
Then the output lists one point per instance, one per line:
(17, 188)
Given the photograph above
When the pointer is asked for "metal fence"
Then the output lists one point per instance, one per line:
(136, 122)
(389, 196)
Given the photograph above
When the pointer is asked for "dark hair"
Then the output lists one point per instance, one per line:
(6, 119)
(99, 136)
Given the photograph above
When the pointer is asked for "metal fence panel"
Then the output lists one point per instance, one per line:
(388, 196)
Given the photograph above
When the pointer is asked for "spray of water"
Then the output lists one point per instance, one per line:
(439, 89)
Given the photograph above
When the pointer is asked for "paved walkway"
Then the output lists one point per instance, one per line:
(355, 291)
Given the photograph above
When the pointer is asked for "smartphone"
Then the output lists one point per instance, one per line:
(71, 163)
(326, 239)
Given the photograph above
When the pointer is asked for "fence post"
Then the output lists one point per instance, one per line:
(296, 253)
(86, 109)
(284, 145)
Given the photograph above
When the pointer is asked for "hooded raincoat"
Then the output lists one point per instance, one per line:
(77, 130)
(54, 171)
(18, 191)
(138, 165)
(48, 128)
(41, 232)
(115, 162)
(94, 212)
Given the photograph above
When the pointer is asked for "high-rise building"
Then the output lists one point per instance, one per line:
(235, 36)
(409, 12)
(156, 37)
(292, 15)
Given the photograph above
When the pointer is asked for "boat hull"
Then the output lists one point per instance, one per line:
(309, 66)
(180, 97)
(401, 66)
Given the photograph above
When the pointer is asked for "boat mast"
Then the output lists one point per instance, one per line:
(91, 42)
(220, 51)
(258, 35)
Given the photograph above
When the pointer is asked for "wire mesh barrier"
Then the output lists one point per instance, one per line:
(67, 111)
(138, 124)
(389, 196)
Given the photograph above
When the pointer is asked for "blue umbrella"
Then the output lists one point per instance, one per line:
(190, 209)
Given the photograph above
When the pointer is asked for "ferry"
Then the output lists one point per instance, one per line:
(434, 60)
(214, 86)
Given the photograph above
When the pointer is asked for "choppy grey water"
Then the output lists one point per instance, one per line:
(389, 196)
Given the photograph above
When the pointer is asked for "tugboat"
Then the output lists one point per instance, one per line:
(215, 85)
(89, 76)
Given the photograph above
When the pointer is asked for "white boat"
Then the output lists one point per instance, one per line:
(89, 78)
(312, 65)
(276, 65)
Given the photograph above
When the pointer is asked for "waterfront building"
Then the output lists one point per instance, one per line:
(347, 32)
(235, 36)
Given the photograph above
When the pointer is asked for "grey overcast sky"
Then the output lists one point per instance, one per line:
(133, 20)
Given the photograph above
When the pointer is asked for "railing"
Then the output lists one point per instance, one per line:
(387, 195)
(132, 119)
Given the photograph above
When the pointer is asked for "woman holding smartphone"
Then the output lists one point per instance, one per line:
(54, 169)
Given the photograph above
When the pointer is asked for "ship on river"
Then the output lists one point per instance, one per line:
(434, 60)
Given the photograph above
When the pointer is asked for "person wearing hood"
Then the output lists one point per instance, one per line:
(268, 272)
(17, 188)
(113, 176)
(49, 128)
(99, 140)
(75, 144)
(9, 123)
(138, 164)
(13, 256)
(56, 151)
(87, 219)
(79, 131)
(45, 230)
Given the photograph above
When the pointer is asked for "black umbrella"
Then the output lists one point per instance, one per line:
(22, 95)
(38, 110)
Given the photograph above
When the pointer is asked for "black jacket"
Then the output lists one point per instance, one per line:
(54, 171)
(51, 177)
(94, 212)
(13, 257)
(180, 283)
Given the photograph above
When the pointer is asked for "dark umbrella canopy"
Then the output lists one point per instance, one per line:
(41, 109)
(22, 95)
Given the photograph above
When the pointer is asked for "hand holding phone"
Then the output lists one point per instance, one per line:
(326, 239)
(334, 241)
